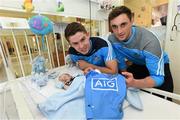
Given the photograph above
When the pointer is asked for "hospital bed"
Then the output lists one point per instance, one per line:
(27, 95)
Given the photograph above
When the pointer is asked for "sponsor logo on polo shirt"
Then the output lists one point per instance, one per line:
(104, 84)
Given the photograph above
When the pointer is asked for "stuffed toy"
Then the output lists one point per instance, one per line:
(39, 70)
(28, 6)
(38, 65)
(41, 25)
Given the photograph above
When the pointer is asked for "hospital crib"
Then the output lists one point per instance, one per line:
(18, 47)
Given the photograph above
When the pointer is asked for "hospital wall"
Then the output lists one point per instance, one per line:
(172, 43)
(73, 8)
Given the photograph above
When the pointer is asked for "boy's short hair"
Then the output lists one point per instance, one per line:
(73, 28)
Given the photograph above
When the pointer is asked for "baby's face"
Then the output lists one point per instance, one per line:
(65, 78)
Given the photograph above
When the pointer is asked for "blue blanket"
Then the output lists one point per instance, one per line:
(71, 103)
(67, 105)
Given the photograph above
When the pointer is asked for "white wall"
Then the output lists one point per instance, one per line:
(75, 8)
(172, 47)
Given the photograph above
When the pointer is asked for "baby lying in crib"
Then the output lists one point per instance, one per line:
(66, 80)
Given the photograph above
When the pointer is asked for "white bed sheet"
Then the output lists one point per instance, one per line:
(154, 107)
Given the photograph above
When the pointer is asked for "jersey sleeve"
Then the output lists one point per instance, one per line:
(74, 58)
(121, 61)
(109, 53)
(155, 66)
(119, 56)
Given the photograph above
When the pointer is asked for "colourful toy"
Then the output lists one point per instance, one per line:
(28, 6)
(60, 7)
(41, 25)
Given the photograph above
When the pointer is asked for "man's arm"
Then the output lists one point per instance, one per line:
(110, 68)
(147, 82)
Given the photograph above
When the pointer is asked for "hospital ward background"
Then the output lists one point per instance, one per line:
(21, 47)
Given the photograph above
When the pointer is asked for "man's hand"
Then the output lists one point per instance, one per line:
(83, 64)
(110, 68)
(129, 78)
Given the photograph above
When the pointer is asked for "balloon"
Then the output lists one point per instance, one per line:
(41, 25)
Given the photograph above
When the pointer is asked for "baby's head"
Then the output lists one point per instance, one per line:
(65, 77)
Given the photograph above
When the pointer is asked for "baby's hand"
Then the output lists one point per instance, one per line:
(66, 87)
(87, 70)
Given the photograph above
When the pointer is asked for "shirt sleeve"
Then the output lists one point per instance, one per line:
(121, 62)
(155, 66)
(109, 54)
(74, 58)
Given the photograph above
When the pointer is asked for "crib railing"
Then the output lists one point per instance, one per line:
(163, 93)
(19, 47)
(17, 61)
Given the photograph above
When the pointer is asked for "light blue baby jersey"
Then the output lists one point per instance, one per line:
(104, 96)
(101, 51)
(142, 48)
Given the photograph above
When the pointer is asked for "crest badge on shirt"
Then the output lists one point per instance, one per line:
(137, 55)
(96, 58)
(104, 84)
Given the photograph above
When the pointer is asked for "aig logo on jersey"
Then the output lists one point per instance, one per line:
(104, 84)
